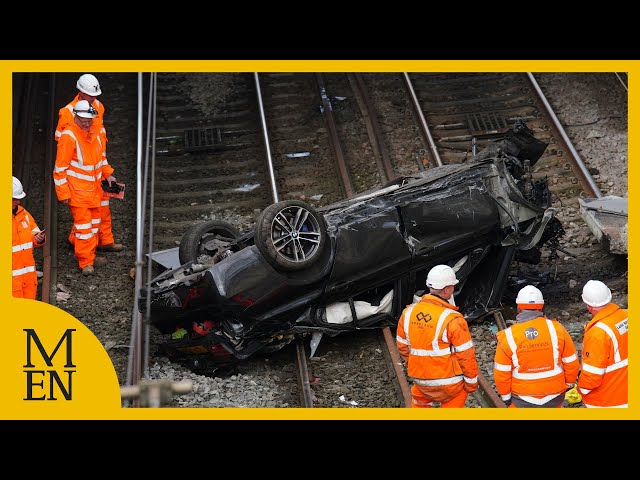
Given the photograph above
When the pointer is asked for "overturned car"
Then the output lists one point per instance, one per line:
(357, 263)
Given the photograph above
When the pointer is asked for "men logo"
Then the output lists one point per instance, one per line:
(531, 333)
(41, 380)
(421, 317)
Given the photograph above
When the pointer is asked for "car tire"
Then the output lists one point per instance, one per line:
(285, 245)
(194, 239)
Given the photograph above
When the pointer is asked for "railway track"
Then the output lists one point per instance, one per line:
(456, 115)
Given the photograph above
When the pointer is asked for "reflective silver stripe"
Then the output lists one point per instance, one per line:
(584, 391)
(438, 382)
(401, 340)
(418, 402)
(60, 182)
(104, 203)
(95, 221)
(69, 107)
(508, 334)
(570, 358)
(78, 149)
(22, 271)
(88, 167)
(439, 328)
(464, 346)
(84, 236)
(95, 230)
(591, 369)
(506, 397)
(501, 367)
(24, 246)
(35, 231)
(82, 226)
(471, 380)
(60, 169)
(89, 178)
(609, 406)
(58, 133)
(617, 365)
(407, 320)
(601, 371)
(614, 340)
(421, 352)
(538, 401)
(554, 344)
(537, 375)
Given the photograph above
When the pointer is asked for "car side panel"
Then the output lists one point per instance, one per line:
(440, 221)
(370, 249)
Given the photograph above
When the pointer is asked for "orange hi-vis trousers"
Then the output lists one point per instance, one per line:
(29, 287)
(105, 234)
(420, 401)
(84, 234)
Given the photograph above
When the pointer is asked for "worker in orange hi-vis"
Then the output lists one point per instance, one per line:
(603, 380)
(434, 341)
(77, 175)
(89, 89)
(25, 235)
(535, 361)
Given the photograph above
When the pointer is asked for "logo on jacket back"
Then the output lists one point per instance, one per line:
(42, 381)
(531, 333)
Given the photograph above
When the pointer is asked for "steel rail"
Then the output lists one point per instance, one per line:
(579, 168)
(334, 139)
(265, 136)
(134, 373)
(385, 170)
(153, 83)
(485, 395)
(302, 372)
(50, 253)
(380, 150)
(424, 127)
(302, 369)
(622, 81)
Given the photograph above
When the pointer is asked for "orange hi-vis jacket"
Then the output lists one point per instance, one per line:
(603, 380)
(79, 167)
(65, 117)
(535, 360)
(434, 340)
(24, 278)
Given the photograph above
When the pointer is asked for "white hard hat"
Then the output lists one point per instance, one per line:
(530, 298)
(595, 293)
(18, 192)
(85, 110)
(441, 276)
(89, 84)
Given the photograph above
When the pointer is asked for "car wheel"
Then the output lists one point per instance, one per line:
(206, 238)
(291, 235)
